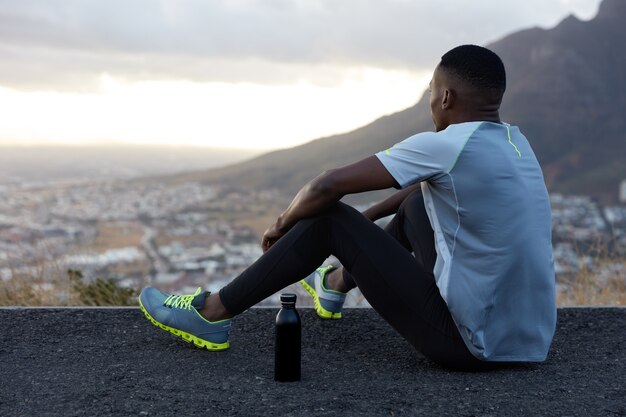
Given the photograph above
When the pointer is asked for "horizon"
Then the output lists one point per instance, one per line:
(22, 166)
(187, 75)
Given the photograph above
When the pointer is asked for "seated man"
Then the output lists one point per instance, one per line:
(478, 289)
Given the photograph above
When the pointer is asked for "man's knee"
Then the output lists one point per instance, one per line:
(340, 212)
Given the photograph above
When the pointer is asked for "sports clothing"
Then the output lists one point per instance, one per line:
(456, 248)
(328, 303)
(487, 203)
(178, 314)
(400, 287)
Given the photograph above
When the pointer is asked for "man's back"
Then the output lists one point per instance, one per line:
(501, 249)
(489, 208)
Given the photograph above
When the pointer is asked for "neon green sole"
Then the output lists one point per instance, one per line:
(201, 343)
(321, 311)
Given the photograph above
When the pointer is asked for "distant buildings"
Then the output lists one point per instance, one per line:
(179, 237)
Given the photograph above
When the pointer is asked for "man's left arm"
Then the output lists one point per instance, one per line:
(390, 205)
(326, 190)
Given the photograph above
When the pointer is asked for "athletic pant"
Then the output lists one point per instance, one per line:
(399, 286)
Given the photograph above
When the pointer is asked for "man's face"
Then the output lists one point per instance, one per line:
(437, 91)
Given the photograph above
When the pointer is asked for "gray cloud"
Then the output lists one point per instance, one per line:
(68, 44)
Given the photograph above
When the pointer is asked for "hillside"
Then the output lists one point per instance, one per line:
(289, 169)
(566, 90)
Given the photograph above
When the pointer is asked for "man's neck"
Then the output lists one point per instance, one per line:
(478, 116)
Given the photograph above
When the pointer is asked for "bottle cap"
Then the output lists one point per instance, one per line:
(288, 298)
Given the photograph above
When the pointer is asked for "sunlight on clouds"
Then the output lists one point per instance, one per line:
(240, 73)
(242, 115)
(583, 9)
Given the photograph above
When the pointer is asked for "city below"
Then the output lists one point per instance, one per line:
(180, 237)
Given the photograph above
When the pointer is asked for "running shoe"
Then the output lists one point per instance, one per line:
(178, 314)
(328, 303)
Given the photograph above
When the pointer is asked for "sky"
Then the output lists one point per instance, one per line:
(260, 74)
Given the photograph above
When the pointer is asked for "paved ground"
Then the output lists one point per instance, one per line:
(96, 362)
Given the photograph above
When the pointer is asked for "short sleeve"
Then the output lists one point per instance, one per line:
(419, 157)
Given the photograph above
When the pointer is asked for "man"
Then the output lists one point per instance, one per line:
(478, 289)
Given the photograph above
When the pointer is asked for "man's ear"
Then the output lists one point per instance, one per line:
(448, 99)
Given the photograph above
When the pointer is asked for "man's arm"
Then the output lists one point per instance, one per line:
(326, 190)
(390, 205)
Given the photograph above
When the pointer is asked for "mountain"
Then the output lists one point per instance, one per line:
(289, 169)
(566, 90)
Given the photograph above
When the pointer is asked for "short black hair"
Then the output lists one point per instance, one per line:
(479, 67)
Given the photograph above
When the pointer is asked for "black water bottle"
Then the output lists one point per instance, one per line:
(287, 348)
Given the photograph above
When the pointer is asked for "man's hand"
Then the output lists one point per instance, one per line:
(271, 236)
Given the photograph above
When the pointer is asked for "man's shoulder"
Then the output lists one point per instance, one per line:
(452, 132)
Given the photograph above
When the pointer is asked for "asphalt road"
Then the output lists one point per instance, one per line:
(97, 362)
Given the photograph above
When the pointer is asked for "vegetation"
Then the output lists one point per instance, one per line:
(68, 290)
(590, 287)
(586, 289)
(71, 289)
(100, 292)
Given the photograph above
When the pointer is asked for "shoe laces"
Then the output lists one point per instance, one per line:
(181, 301)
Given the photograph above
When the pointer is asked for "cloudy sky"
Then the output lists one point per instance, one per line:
(231, 73)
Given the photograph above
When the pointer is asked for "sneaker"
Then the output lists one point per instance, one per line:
(328, 303)
(178, 314)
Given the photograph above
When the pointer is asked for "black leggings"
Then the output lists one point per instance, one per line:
(398, 285)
